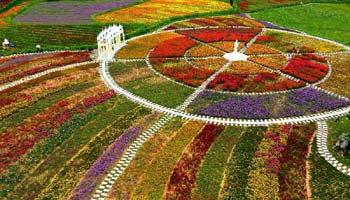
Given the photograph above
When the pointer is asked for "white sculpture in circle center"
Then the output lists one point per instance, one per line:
(109, 41)
(235, 55)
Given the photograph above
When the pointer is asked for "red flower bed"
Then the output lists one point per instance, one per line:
(227, 81)
(311, 56)
(265, 76)
(184, 174)
(265, 38)
(306, 69)
(70, 60)
(284, 85)
(222, 34)
(39, 58)
(18, 140)
(228, 21)
(171, 27)
(203, 22)
(189, 75)
(302, 49)
(175, 47)
(292, 177)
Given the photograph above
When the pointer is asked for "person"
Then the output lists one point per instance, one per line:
(6, 43)
(38, 47)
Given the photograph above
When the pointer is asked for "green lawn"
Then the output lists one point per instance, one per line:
(336, 128)
(330, 21)
(326, 181)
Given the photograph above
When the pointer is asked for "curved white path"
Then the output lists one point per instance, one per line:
(35, 76)
(216, 120)
(105, 187)
(322, 133)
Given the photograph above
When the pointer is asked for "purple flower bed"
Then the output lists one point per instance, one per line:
(315, 100)
(297, 103)
(99, 169)
(15, 60)
(241, 107)
(78, 12)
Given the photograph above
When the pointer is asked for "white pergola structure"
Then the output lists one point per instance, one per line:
(109, 41)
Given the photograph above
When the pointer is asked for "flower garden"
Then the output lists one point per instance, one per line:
(170, 117)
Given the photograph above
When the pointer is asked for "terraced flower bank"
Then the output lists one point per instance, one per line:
(263, 174)
(222, 21)
(184, 173)
(237, 165)
(65, 135)
(68, 176)
(113, 153)
(211, 172)
(49, 37)
(156, 11)
(18, 140)
(77, 12)
(22, 66)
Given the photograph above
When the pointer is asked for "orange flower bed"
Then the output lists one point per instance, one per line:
(274, 62)
(203, 51)
(11, 11)
(260, 49)
(212, 63)
(242, 67)
(227, 46)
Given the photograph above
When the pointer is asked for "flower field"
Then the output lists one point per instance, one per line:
(172, 117)
(22, 66)
(10, 12)
(297, 43)
(77, 12)
(156, 11)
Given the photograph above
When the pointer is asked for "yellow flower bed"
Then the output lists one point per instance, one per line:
(46, 88)
(157, 10)
(275, 62)
(300, 41)
(339, 81)
(139, 48)
(243, 67)
(212, 63)
(227, 46)
(260, 49)
(203, 51)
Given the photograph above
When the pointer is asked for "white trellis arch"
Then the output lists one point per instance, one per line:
(109, 41)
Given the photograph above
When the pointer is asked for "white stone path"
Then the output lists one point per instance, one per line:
(43, 73)
(322, 133)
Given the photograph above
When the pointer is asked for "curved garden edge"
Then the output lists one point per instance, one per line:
(322, 133)
(215, 120)
(35, 76)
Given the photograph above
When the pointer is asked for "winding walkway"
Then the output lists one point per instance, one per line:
(322, 133)
(43, 73)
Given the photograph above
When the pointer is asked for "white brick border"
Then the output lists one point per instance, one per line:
(35, 76)
(216, 120)
(322, 133)
(108, 182)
